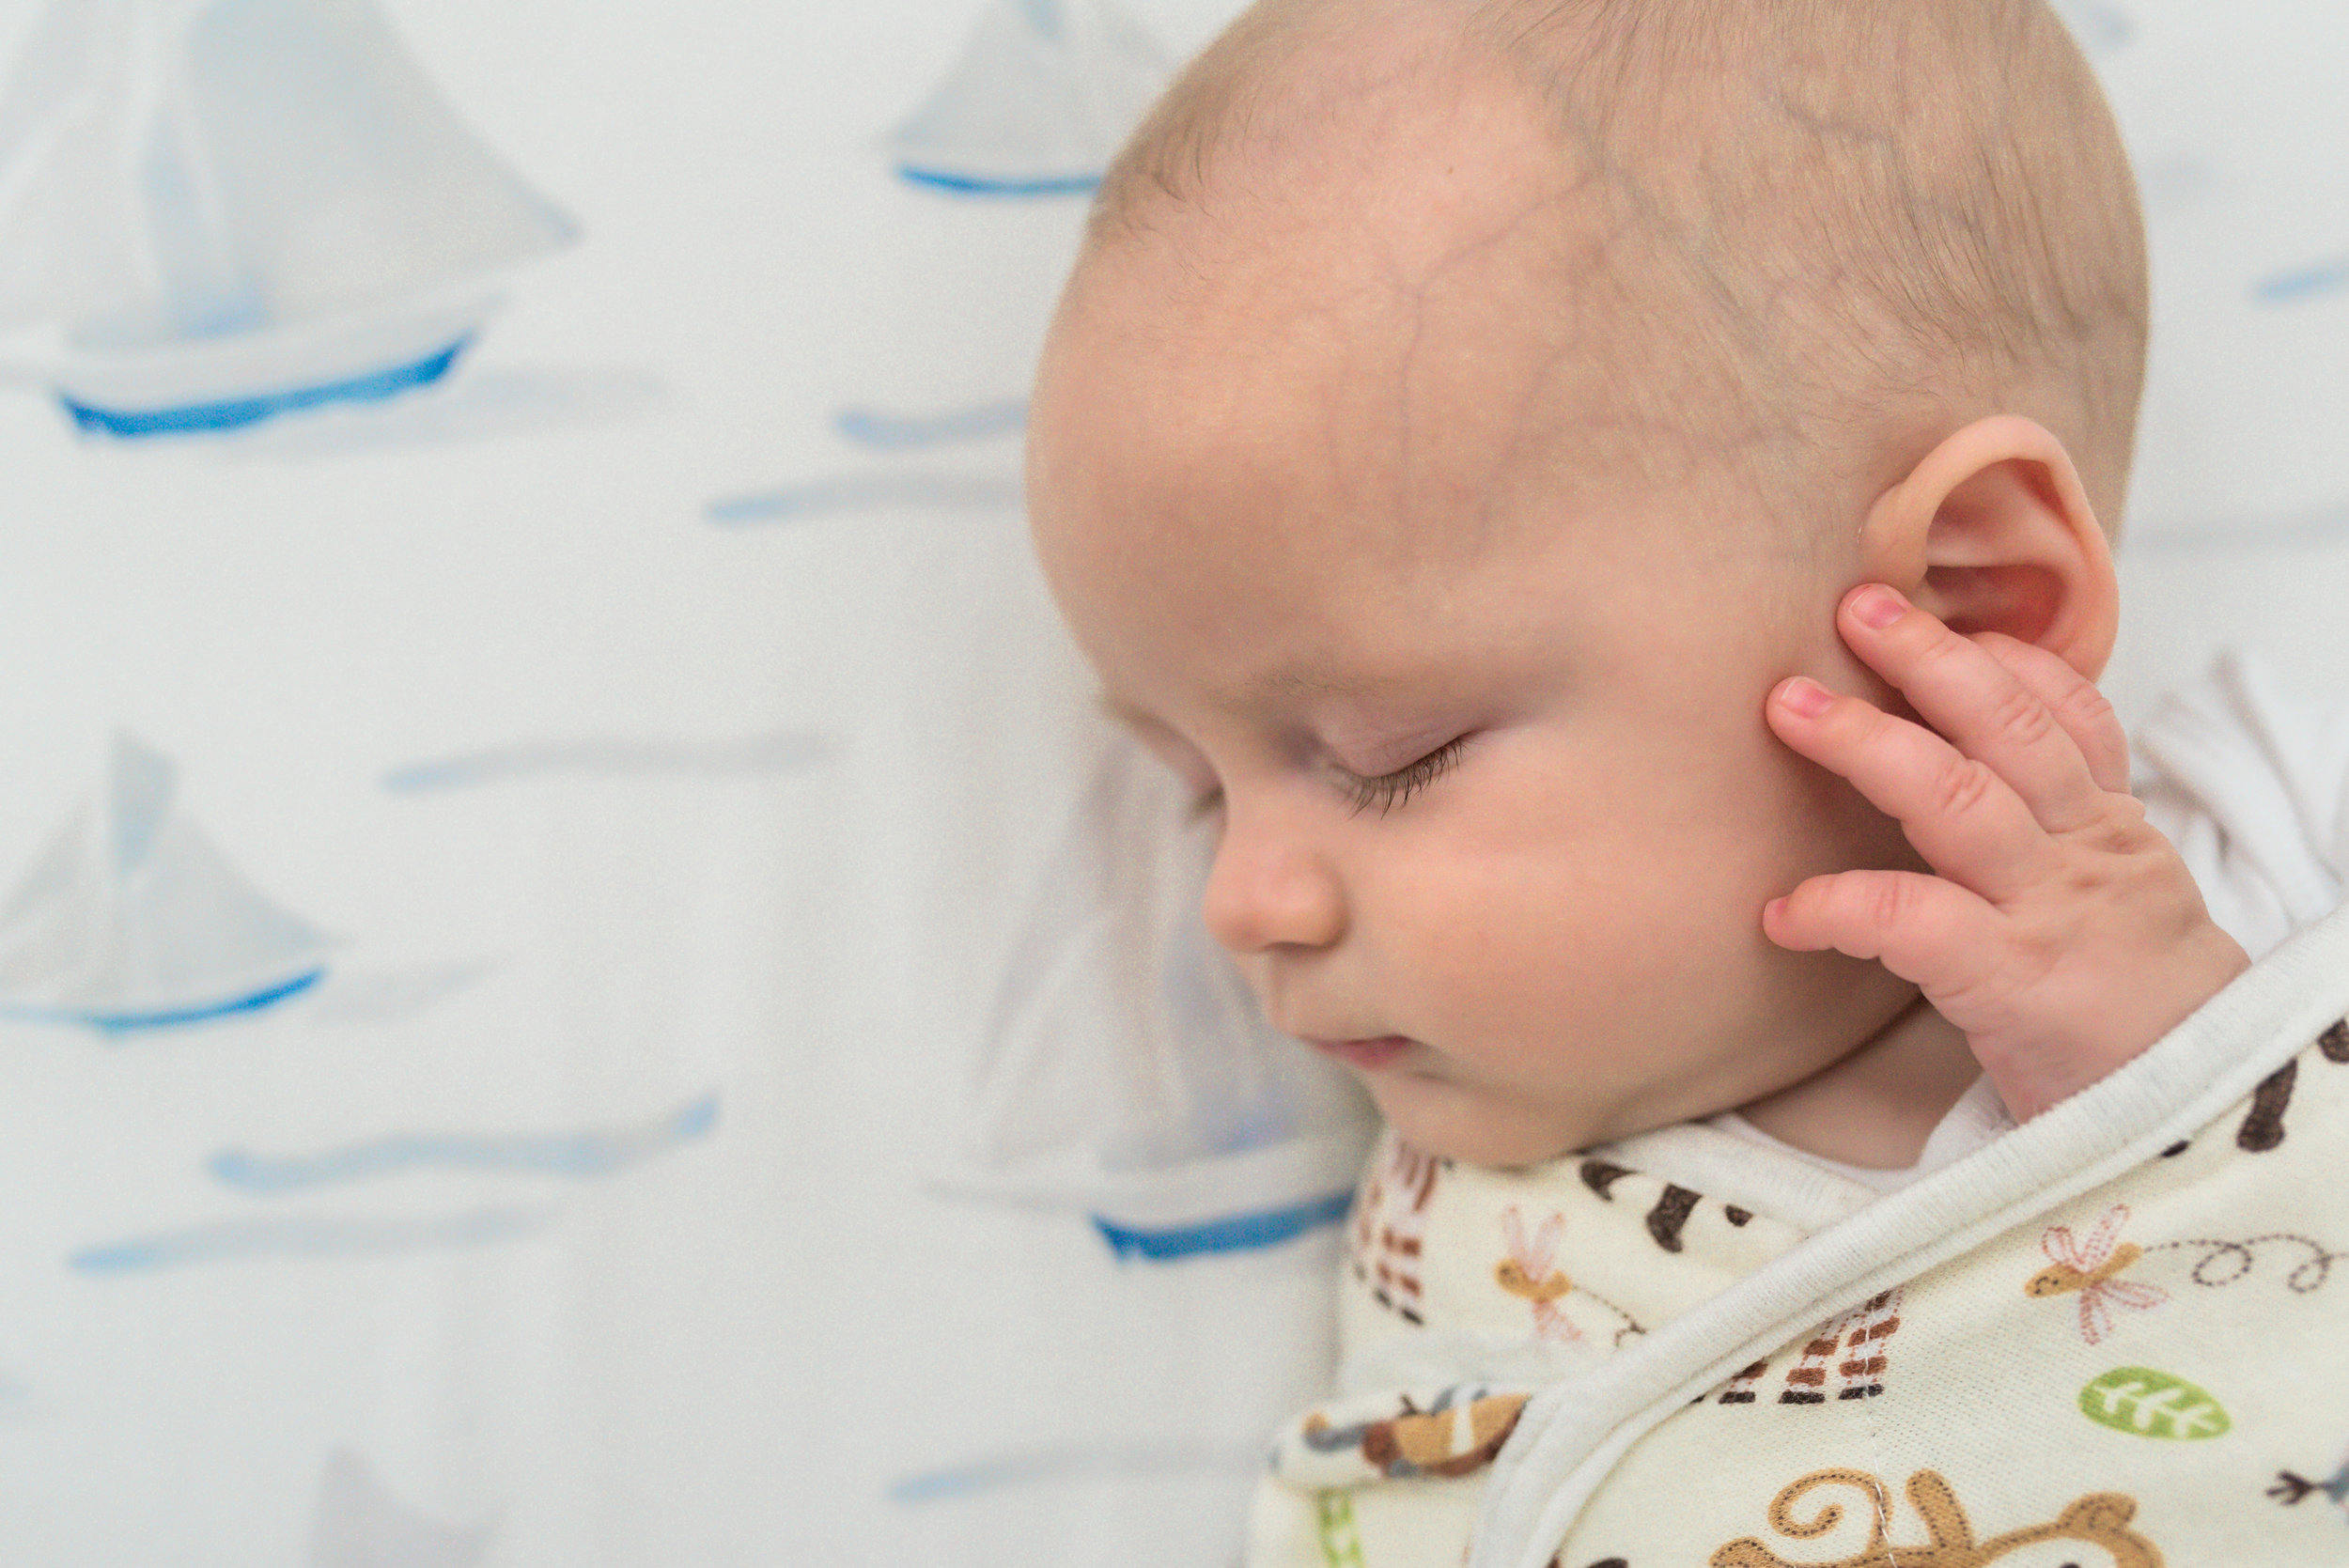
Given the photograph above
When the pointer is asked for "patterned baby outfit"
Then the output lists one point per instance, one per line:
(1466, 1290)
(2117, 1337)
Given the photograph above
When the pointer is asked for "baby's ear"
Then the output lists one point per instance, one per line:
(1993, 532)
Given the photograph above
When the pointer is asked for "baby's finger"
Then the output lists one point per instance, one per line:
(1930, 932)
(1961, 816)
(1975, 701)
(2076, 703)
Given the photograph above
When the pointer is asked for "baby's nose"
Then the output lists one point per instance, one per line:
(1269, 890)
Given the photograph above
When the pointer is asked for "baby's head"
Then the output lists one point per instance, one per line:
(1463, 414)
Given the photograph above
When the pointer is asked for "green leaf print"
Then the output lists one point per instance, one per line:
(1341, 1547)
(2149, 1403)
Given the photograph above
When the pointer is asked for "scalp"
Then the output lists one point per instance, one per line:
(1846, 224)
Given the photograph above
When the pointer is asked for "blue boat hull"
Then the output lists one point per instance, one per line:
(981, 185)
(171, 1017)
(237, 412)
(1239, 1233)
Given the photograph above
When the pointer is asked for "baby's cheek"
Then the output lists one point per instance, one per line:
(1538, 952)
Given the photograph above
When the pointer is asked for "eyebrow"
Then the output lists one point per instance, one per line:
(1288, 683)
(1121, 711)
(1270, 685)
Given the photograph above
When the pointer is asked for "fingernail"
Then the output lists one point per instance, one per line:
(1805, 696)
(1877, 606)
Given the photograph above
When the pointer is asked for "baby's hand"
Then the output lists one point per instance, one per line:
(2064, 933)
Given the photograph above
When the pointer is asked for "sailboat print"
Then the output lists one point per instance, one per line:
(1204, 1130)
(132, 919)
(226, 210)
(1043, 95)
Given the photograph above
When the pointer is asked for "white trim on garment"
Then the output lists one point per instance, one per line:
(1572, 1434)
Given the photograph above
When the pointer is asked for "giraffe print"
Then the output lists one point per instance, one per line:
(1391, 1227)
(1846, 1355)
(2263, 1128)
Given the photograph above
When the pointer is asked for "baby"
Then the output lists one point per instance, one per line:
(1605, 501)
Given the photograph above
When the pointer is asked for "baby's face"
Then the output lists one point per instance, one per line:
(1482, 735)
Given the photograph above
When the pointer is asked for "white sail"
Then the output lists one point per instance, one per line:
(1043, 95)
(130, 917)
(182, 169)
(232, 209)
(1126, 1070)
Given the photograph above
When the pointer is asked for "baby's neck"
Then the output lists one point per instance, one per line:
(1876, 1107)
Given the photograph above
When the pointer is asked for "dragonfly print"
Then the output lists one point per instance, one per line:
(2091, 1270)
(1527, 1273)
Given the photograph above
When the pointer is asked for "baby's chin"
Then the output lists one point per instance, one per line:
(1479, 1126)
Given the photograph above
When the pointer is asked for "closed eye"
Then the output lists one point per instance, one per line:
(1390, 790)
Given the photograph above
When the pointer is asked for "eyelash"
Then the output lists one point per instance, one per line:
(1385, 792)
(1391, 790)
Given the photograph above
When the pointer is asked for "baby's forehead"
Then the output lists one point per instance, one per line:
(1381, 426)
(1382, 457)
(1426, 271)
(1381, 441)
(1433, 233)
(1765, 227)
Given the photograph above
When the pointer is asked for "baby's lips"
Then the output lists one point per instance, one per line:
(1367, 1054)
